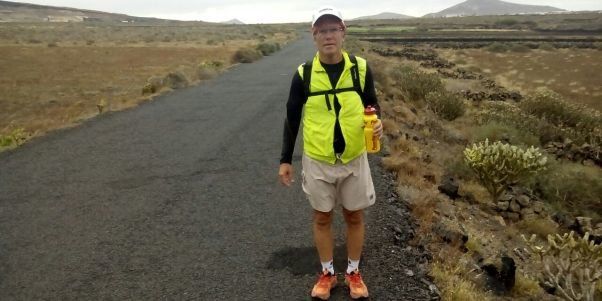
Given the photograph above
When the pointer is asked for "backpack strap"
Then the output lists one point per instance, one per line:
(307, 76)
(355, 77)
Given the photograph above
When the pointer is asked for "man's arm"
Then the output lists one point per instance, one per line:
(370, 91)
(294, 109)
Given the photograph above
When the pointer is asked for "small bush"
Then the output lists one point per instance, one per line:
(148, 89)
(497, 47)
(578, 122)
(246, 55)
(497, 165)
(416, 84)
(454, 284)
(52, 44)
(90, 42)
(176, 80)
(14, 138)
(519, 48)
(512, 115)
(446, 105)
(206, 72)
(546, 46)
(526, 287)
(268, 48)
(496, 131)
(506, 22)
(538, 226)
(572, 188)
(153, 85)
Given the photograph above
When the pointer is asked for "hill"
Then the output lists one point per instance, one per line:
(25, 12)
(492, 7)
(233, 21)
(384, 16)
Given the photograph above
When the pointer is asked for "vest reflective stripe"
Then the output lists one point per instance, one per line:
(319, 117)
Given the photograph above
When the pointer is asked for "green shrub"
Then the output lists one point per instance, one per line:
(496, 131)
(206, 71)
(246, 55)
(506, 22)
(176, 80)
(511, 115)
(519, 48)
(546, 46)
(457, 167)
(416, 84)
(446, 105)
(268, 48)
(573, 188)
(498, 165)
(14, 138)
(578, 122)
(497, 47)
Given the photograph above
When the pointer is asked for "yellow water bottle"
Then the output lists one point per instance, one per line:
(370, 120)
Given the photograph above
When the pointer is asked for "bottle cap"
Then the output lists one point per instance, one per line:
(369, 110)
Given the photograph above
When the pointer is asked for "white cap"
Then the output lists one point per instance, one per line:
(326, 10)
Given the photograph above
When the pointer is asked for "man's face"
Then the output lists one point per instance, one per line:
(329, 35)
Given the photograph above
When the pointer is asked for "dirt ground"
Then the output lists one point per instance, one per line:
(574, 73)
(55, 75)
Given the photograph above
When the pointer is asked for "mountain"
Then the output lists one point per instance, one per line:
(25, 12)
(233, 21)
(384, 16)
(492, 7)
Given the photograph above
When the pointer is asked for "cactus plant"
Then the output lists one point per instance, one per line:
(498, 165)
(572, 265)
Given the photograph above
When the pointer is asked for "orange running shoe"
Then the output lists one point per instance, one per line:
(357, 288)
(326, 282)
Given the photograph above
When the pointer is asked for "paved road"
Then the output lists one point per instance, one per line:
(175, 199)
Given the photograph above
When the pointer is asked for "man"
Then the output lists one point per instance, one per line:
(333, 88)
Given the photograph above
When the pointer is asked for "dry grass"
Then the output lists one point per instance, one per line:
(93, 66)
(526, 287)
(453, 278)
(46, 88)
(477, 190)
(574, 73)
(542, 227)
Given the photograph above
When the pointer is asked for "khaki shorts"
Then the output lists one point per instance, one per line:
(348, 184)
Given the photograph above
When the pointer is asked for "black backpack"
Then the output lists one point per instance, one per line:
(355, 77)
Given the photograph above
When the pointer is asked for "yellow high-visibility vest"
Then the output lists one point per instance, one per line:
(319, 116)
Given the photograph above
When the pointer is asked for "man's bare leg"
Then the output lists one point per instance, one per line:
(355, 233)
(323, 236)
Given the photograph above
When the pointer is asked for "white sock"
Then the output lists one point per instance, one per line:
(352, 265)
(328, 266)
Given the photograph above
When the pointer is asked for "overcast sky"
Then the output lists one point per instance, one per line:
(280, 11)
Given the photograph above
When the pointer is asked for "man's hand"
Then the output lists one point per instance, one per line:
(286, 174)
(378, 129)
